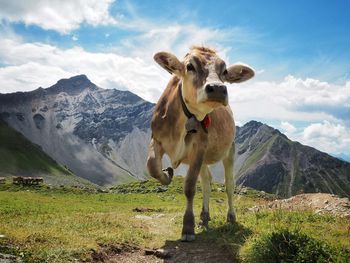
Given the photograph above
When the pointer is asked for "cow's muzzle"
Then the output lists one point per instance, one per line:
(216, 92)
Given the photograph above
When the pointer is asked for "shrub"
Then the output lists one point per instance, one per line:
(286, 246)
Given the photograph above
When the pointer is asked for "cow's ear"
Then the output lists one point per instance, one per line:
(170, 63)
(238, 73)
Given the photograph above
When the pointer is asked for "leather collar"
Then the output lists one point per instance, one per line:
(205, 123)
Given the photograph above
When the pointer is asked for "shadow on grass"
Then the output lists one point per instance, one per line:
(220, 244)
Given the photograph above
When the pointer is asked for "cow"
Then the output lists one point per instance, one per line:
(193, 124)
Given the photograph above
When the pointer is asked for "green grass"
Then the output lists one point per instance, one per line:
(19, 156)
(257, 154)
(63, 224)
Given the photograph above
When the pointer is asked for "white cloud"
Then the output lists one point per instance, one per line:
(136, 71)
(292, 99)
(327, 136)
(36, 64)
(60, 15)
(173, 38)
(288, 128)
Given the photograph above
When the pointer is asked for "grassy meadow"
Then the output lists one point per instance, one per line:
(41, 224)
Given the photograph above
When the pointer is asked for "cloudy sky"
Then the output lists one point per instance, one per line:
(299, 49)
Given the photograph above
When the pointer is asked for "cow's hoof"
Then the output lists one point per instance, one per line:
(168, 176)
(205, 218)
(231, 217)
(203, 224)
(188, 238)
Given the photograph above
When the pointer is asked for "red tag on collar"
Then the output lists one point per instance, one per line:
(206, 121)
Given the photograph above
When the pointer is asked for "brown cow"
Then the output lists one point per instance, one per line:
(193, 124)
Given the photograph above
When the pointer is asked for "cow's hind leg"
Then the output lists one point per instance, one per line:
(206, 188)
(154, 163)
(229, 182)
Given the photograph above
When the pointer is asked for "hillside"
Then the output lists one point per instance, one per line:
(267, 160)
(20, 157)
(143, 224)
(99, 134)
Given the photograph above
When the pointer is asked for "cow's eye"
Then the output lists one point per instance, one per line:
(190, 67)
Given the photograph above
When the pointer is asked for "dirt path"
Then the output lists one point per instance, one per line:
(171, 252)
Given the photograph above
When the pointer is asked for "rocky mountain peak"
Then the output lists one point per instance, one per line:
(256, 129)
(72, 86)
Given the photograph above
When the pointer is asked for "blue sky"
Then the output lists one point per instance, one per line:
(299, 49)
(303, 38)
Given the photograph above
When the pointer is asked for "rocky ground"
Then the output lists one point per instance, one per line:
(172, 252)
(7, 258)
(320, 203)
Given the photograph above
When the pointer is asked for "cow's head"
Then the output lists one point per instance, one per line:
(203, 74)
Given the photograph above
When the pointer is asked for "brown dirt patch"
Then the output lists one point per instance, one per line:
(172, 252)
(145, 210)
(122, 253)
(198, 251)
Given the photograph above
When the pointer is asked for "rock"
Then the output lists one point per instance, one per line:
(162, 253)
(254, 209)
(149, 252)
(161, 189)
(39, 121)
(219, 201)
(144, 209)
(20, 116)
(159, 215)
(44, 109)
(7, 258)
(244, 190)
(320, 203)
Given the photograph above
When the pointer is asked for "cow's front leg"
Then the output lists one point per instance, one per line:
(190, 190)
(154, 163)
(206, 188)
(230, 183)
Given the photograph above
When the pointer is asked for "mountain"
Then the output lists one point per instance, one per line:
(343, 156)
(267, 160)
(100, 134)
(20, 157)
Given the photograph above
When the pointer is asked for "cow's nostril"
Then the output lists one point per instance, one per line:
(209, 89)
(224, 91)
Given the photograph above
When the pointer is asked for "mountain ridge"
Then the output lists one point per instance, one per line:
(75, 122)
(102, 135)
(267, 160)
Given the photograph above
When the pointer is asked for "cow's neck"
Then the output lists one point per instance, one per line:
(193, 123)
(200, 115)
